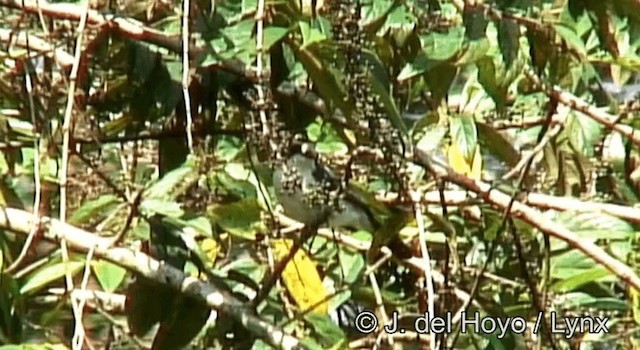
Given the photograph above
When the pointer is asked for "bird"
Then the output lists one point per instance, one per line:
(311, 193)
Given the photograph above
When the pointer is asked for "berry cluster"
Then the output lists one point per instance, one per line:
(374, 127)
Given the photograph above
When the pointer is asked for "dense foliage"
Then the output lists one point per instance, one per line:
(496, 139)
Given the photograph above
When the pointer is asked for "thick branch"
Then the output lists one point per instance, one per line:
(36, 44)
(531, 216)
(572, 101)
(20, 221)
(538, 200)
(126, 27)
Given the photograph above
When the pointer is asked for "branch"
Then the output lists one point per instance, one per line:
(124, 26)
(572, 101)
(96, 298)
(538, 200)
(529, 215)
(36, 44)
(602, 117)
(20, 221)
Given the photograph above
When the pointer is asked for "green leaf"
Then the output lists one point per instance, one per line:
(109, 275)
(489, 81)
(241, 218)
(389, 104)
(257, 177)
(240, 33)
(400, 23)
(497, 144)
(175, 182)
(228, 147)
(232, 42)
(432, 139)
(43, 346)
(420, 65)
(327, 332)
(249, 6)
(90, 210)
(201, 224)
(272, 35)
(495, 341)
(12, 316)
(579, 300)
(374, 13)
(352, 265)
(590, 225)
(569, 35)
(584, 133)
(492, 222)
(310, 34)
(442, 46)
(153, 206)
(327, 139)
(574, 282)
(309, 343)
(249, 269)
(259, 344)
(242, 189)
(323, 77)
(440, 81)
(473, 51)
(358, 193)
(463, 132)
(48, 274)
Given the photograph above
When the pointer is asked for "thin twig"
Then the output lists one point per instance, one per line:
(427, 261)
(185, 72)
(259, 67)
(386, 255)
(78, 334)
(36, 174)
(555, 130)
(35, 265)
(66, 130)
(108, 301)
(123, 328)
(380, 305)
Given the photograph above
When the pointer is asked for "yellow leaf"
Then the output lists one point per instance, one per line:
(210, 248)
(635, 302)
(301, 278)
(459, 163)
(457, 160)
(476, 166)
